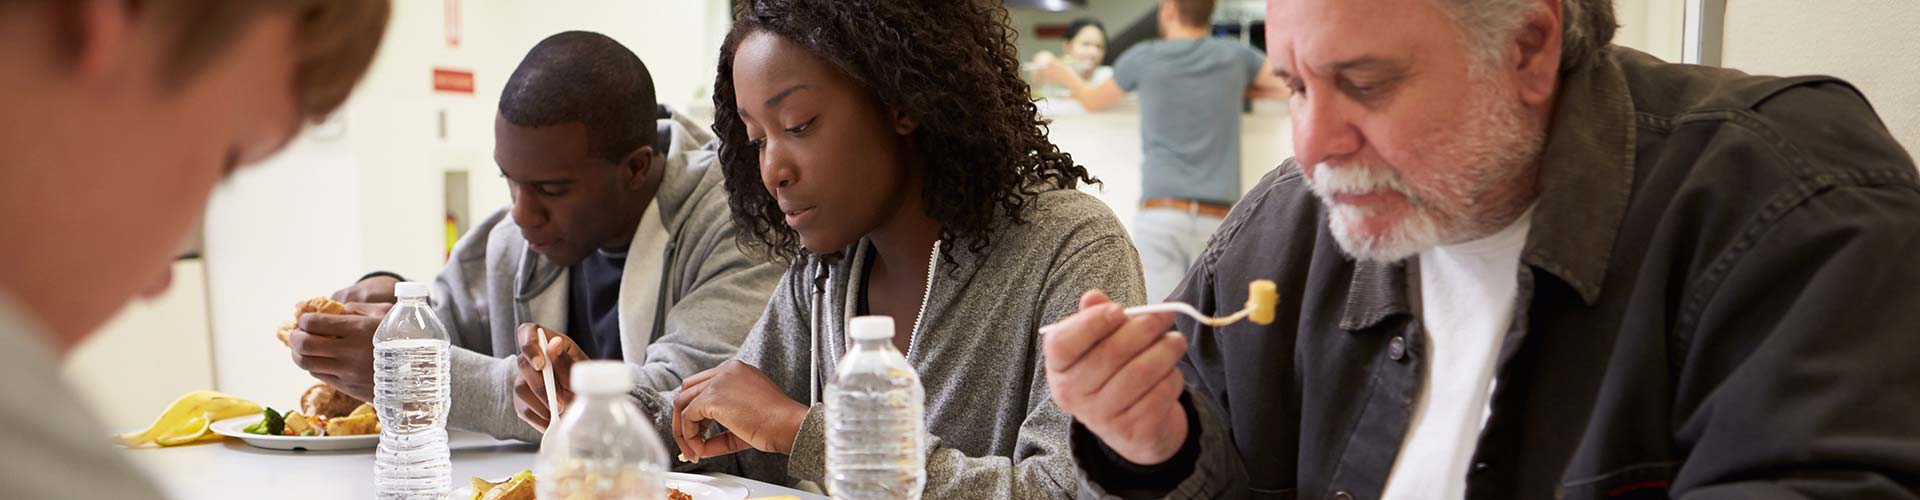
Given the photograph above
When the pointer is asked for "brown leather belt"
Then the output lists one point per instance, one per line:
(1213, 210)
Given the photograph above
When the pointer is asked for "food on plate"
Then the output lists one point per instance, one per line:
(519, 487)
(360, 421)
(300, 425)
(324, 401)
(575, 481)
(271, 423)
(187, 419)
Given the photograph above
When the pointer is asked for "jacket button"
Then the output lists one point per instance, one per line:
(1342, 495)
(1397, 349)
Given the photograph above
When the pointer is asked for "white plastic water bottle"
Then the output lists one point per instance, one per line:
(875, 428)
(411, 394)
(602, 446)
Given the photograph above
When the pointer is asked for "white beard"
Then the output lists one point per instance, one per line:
(1416, 232)
(1493, 149)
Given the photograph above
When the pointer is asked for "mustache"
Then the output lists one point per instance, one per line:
(1330, 180)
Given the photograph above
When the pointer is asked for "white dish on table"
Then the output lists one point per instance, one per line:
(233, 427)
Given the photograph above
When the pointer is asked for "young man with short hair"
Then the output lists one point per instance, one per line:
(618, 241)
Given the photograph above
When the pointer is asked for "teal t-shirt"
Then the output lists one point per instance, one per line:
(1190, 98)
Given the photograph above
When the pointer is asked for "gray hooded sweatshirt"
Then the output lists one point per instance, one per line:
(493, 283)
(994, 431)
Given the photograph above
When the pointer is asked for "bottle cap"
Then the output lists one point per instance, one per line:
(602, 377)
(410, 290)
(870, 328)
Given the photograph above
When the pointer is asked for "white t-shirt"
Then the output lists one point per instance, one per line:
(1467, 297)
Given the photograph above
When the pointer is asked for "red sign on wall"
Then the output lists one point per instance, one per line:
(453, 81)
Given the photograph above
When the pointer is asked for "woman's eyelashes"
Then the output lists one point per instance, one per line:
(796, 130)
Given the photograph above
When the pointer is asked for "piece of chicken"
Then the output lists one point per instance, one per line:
(320, 305)
(324, 401)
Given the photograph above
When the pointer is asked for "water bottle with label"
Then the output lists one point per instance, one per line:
(411, 394)
(875, 428)
(602, 446)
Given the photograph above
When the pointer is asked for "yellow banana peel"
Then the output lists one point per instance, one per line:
(188, 418)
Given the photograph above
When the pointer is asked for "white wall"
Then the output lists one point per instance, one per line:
(1651, 26)
(1875, 44)
(151, 353)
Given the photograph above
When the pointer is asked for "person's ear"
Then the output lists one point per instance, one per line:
(1535, 50)
(903, 124)
(637, 165)
(94, 33)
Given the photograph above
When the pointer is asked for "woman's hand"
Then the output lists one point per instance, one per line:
(1043, 58)
(756, 413)
(1045, 68)
(1057, 71)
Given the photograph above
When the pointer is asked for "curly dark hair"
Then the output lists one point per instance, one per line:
(949, 64)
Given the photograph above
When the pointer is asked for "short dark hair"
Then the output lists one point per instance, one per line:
(586, 78)
(1195, 12)
(1073, 28)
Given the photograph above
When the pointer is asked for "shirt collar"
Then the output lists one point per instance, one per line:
(1586, 180)
(1586, 177)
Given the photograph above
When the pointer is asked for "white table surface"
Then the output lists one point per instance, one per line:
(232, 469)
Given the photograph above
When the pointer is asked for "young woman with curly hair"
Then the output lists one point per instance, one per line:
(888, 150)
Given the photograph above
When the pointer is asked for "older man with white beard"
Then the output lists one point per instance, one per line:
(1515, 261)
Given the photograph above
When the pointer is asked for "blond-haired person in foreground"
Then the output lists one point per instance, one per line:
(120, 118)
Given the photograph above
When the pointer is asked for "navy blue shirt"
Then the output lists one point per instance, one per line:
(593, 308)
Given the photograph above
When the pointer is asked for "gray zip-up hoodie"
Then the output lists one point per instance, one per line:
(994, 430)
(493, 283)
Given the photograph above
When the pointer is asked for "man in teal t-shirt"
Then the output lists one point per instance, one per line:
(1191, 87)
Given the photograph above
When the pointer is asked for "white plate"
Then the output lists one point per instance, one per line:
(232, 427)
(698, 486)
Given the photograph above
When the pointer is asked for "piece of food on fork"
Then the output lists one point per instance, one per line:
(1263, 297)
